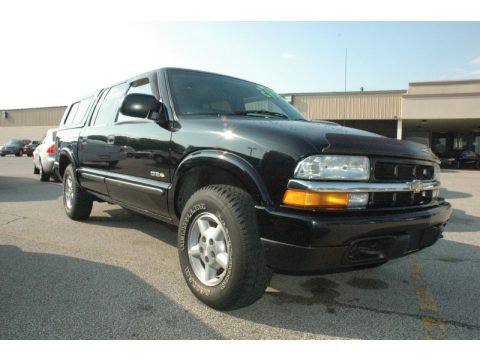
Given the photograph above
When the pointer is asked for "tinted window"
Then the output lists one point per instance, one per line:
(198, 93)
(13, 143)
(78, 112)
(142, 89)
(71, 114)
(110, 104)
(82, 111)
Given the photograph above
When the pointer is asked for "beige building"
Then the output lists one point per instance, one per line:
(28, 123)
(375, 111)
(442, 114)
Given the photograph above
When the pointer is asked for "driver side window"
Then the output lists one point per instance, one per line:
(141, 89)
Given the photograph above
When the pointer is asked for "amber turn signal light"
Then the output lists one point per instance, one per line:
(315, 199)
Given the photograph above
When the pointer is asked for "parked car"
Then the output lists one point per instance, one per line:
(448, 160)
(468, 158)
(44, 156)
(460, 159)
(251, 184)
(30, 147)
(12, 147)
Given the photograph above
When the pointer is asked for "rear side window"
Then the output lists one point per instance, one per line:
(109, 108)
(78, 112)
(71, 114)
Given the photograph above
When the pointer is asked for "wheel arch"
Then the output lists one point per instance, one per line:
(208, 167)
(65, 158)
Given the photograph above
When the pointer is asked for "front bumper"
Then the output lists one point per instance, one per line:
(306, 241)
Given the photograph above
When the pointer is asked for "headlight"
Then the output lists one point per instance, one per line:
(333, 167)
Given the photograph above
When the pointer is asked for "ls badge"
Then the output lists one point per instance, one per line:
(157, 174)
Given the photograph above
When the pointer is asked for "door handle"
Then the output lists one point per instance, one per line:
(111, 139)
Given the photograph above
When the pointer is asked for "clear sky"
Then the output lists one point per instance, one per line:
(49, 64)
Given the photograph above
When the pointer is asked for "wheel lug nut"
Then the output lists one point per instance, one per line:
(206, 258)
(210, 242)
(212, 254)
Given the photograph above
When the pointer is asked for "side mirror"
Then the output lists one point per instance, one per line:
(141, 106)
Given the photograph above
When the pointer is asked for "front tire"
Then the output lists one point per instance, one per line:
(76, 201)
(221, 256)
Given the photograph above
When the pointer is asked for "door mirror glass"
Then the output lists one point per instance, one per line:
(141, 106)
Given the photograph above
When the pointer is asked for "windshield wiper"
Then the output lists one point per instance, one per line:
(259, 112)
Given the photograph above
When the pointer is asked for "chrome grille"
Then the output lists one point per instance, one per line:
(397, 170)
(400, 199)
(402, 171)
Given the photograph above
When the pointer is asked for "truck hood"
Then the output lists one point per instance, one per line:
(348, 144)
(302, 138)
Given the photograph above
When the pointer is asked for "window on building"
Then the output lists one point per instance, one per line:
(440, 145)
(466, 142)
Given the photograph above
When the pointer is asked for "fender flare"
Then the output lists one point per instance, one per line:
(230, 162)
(72, 159)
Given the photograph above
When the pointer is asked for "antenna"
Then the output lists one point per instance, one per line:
(345, 90)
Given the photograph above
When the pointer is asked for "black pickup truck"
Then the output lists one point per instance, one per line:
(251, 184)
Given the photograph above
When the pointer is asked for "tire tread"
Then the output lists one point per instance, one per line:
(82, 201)
(257, 275)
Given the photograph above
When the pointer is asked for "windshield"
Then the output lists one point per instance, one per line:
(13, 143)
(197, 93)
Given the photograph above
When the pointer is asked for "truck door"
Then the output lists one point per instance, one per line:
(138, 151)
(94, 155)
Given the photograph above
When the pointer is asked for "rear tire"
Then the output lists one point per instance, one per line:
(35, 170)
(76, 201)
(221, 256)
(43, 175)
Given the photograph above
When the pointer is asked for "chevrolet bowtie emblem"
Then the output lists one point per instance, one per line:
(416, 186)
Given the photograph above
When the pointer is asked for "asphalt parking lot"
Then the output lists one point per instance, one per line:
(116, 276)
